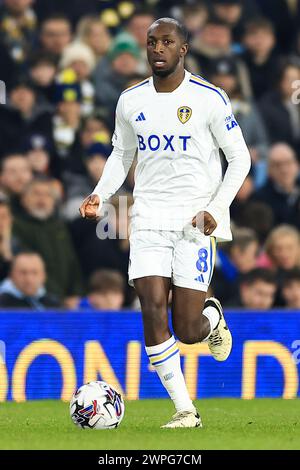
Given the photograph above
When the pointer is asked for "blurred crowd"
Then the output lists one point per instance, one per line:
(64, 65)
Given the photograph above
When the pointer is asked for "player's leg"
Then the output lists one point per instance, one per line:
(150, 271)
(190, 323)
(153, 293)
(161, 346)
(195, 318)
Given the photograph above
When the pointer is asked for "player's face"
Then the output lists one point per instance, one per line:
(165, 49)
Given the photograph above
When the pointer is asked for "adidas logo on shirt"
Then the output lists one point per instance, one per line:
(141, 117)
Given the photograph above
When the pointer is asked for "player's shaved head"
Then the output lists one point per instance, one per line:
(166, 46)
(179, 27)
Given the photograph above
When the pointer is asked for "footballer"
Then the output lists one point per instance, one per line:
(176, 122)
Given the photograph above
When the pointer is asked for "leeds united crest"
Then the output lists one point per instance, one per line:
(184, 113)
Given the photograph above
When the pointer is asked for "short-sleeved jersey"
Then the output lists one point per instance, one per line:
(177, 136)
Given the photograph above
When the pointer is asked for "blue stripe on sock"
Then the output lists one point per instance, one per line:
(161, 352)
(164, 360)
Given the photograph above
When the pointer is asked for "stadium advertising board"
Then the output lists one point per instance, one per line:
(47, 355)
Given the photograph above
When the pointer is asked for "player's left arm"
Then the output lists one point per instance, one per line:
(229, 138)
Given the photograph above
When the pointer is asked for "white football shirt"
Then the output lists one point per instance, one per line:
(177, 136)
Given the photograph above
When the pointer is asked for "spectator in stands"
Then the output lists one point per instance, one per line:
(37, 151)
(42, 71)
(257, 216)
(93, 32)
(23, 113)
(224, 74)
(235, 13)
(40, 230)
(91, 126)
(281, 14)
(214, 41)
(110, 79)
(194, 16)
(18, 26)
(283, 248)
(257, 290)
(55, 35)
(280, 107)
(291, 289)
(260, 56)
(9, 243)
(71, 10)
(15, 174)
(23, 98)
(25, 286)
(233, 260)
(282, 191)
(80, 58)
(106, 291)
(138, 25)
(65, 124)
(95, 160)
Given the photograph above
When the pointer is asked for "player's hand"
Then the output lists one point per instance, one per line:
(90, 206)
(205, 222)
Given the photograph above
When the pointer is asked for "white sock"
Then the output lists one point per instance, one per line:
(213, 316)
(165, 358)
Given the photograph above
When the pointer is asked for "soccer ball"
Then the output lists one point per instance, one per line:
(96, 405)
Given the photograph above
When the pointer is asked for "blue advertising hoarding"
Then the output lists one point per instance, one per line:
(47, 355)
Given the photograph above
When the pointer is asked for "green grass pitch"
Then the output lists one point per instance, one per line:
(228, 424)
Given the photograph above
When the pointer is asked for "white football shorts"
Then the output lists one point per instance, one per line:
(187, 258)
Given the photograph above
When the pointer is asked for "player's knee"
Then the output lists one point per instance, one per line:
(191, 332)
(153, 309)
(188, 338)
(187, 334)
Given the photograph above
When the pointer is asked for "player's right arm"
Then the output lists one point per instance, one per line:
(229, 138)
(116, 167)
